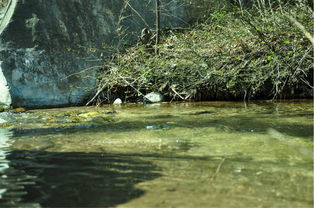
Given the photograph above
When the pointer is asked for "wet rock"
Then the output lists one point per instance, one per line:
(152, 127)
(2, 121)
(154, 97)
(247, 130)
(153, 105)
(220, 127)
(89, 114)
(112, 112)
(19, 110)
(156, 127)
(224, 128)
(99, 120)
(118, 101)
(5, 125)
(5, 97)
(61, 117)
(202, 113)
(102, 120)
(1, 108)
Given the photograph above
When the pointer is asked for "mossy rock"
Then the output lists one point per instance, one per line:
(5, 125)
(102, 120)
(4, 108)
(89, 114)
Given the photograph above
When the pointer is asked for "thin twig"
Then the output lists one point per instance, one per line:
(177, 93)
(96, 95)
(128, 83)
(138, 14)
(82, 71)
(218, 168)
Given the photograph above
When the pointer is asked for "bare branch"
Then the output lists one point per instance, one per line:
(302, 28)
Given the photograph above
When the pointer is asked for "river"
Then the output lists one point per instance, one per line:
(202, 154)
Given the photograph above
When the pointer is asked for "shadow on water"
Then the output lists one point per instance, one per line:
(237, 123)
(73, 179)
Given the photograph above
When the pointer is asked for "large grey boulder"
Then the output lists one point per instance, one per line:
(51, 49)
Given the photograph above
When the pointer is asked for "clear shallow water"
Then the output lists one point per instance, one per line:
(213, 154)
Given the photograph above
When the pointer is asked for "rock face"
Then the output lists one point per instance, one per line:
(51, 49)
(5, 97)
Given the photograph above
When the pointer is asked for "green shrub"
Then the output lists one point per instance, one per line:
(234, 54)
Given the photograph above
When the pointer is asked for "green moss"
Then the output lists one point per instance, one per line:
(5, 125)
(3, 108)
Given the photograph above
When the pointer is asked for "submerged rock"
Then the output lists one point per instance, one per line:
(2, 121)
(19, 110)
(102, 120)
(89, 114)
(157, 127)
(202, 113)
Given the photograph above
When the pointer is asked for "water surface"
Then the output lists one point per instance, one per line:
(209, 154)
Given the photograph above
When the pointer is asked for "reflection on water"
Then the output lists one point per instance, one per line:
(212, 154)
(5, 142)
(78, 179)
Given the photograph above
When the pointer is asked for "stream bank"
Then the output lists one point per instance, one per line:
(233, 54)
(51, 50)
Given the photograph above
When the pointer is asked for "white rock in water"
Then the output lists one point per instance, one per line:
(118, 101)
(2, 121)
(5, 97)
(154, 97)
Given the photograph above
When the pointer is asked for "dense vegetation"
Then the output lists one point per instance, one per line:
(234, 53)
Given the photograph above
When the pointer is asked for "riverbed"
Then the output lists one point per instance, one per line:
(202, 154)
